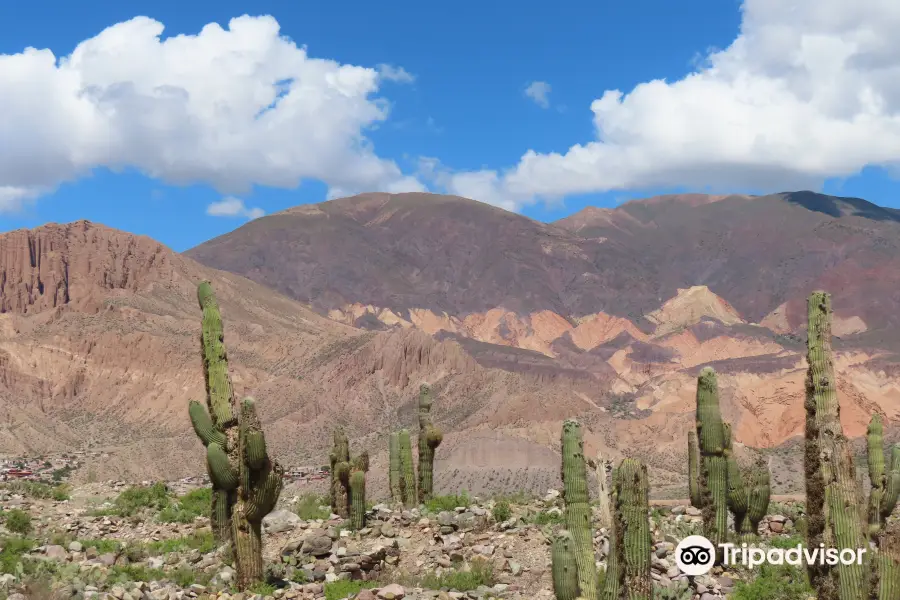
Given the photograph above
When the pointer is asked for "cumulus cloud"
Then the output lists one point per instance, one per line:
(809, 90)
(227, 107)
(233, 207)
(539, 91)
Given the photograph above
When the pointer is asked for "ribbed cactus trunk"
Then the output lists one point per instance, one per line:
(612, 585)
(430, 438)
(357, 499)
(246, 482)
(604, 510)
(759, 497)
(578, 510)
(713, 463)
(886, 583)
(832, 496)
(407, 470)
(633, 541)
(694, 469)
(564, 568)
(885, 481)
(394, 467)
(340, 473)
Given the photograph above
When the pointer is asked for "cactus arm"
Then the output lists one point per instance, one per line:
(564, 569)
(221, 473)
(340, 473)
(831, 491)
(760, 495)
(203, 425)
(892, 484)
(219, 392)
(357, 499)
(738, 495)
(877, 477)
(578, 510)
(694, 469)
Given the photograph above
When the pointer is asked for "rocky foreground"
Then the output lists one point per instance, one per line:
(112, 541)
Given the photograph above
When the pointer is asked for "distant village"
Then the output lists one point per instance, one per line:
(57, 468)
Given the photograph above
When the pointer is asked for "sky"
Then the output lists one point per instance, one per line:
(184, 120)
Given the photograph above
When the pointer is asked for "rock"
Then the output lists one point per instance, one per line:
(56, 552)
(391, 592)
(280, 520)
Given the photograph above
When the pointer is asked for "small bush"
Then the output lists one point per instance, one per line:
(188, 507)
(546, 518)
(60, 492)
(440, 503)
(128, 573)
(202, 541)
(13, 548)
(18, 521)
(310, 507)
(138, 498)
(337, 590)
(775, 582)
(480, 572)
(501, 511)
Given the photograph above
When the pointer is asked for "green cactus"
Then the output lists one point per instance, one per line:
(564, 569)
(738, 498)
(340, 473)
(760, 493)
(832, 495)
(694, 469)
(394, 467)
(633, 540)
(578, 510)
(612, 585)
(246, 482)
(430, 438)
(407, 470)
(885, 482)
(886, 583)
(713, 464)
(357, 499)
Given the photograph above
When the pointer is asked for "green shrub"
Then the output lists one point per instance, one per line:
(60, 492)
(336, 590)
(127, 573)
(138, 498)
(18, 521)
(11, 551)
(202, 541)
(480, 572)
(775, 582)
(546, 518)
(501, 511)
(440, 503)
(312, 506)
(188, 507)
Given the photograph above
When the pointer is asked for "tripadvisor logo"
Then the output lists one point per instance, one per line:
(695, 555)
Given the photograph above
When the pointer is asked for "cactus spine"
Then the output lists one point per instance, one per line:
(578, 511)
(633, 540)
(831, 493)
(713, 462)
(394, 467)
(430, 438)
(564, 569)
(357, 499)
(885, 481)
(407, 470)
(694, 469)
(246, 481)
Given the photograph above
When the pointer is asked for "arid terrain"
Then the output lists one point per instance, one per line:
(335, 312)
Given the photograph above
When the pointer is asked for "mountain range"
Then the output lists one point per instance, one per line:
(335, 312)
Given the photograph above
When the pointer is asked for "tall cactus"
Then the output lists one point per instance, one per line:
(246, 482)
(394, 467)
(430, 438)
(578, 510)
(612, 585)
(831, 492)
(632, 543)
(340, 473)
(407, 470)
(738, 498)
(885, 481)
(604, 509)
(563, 566)
(357, 499)
(713, 463)
(694, 469)
(760, 493)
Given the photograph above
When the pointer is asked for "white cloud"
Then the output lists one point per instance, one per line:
(539, 91)
(393, 73)
(228, 107)
(233, 207)
(809, 90)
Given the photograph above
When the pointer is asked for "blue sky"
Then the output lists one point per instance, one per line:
(137, 138)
